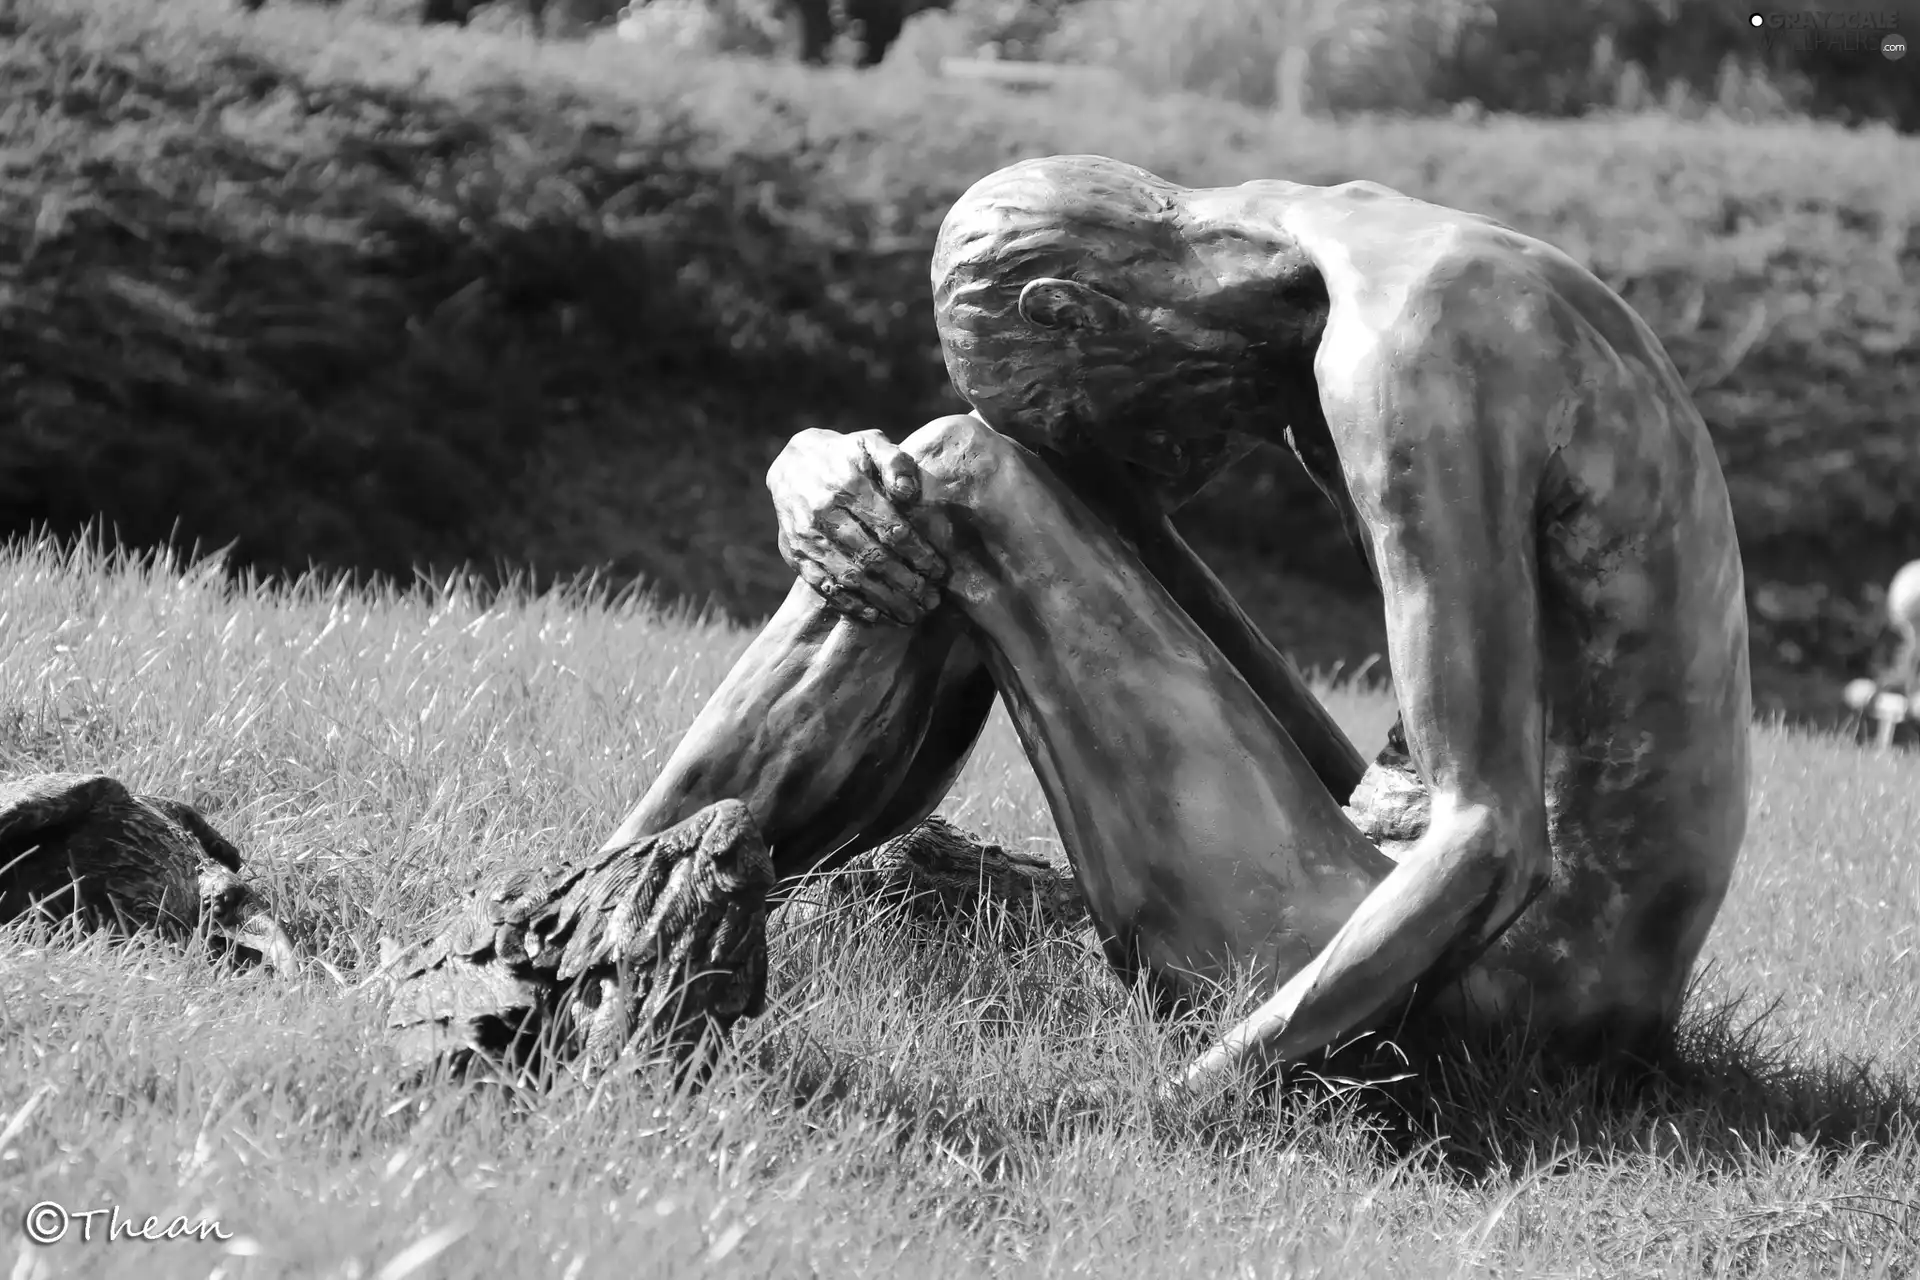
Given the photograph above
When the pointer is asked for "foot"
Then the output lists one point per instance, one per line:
(937, 871)
(656, 946)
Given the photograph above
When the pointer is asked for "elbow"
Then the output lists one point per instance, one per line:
(1503, 846)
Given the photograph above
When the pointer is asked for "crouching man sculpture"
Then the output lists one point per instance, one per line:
(1540, 504)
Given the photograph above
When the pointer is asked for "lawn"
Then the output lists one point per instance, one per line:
(375, 752)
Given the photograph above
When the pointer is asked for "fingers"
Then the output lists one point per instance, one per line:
(862, 596)
(901, 542)
(899, 474)
(869, 575)
(837, 598)
(865, 598)
(838, 498)
(898, 478)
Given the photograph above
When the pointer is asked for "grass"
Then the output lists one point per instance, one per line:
(374, 752)
(347, 291)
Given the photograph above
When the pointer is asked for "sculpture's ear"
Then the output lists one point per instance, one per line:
(1067, 304)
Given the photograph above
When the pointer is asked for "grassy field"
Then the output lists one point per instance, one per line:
(893, 1113)
(341, 290)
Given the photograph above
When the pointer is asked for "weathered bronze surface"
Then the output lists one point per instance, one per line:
(80, 845)
(938, 872)
(658, 944)
(1538, 500)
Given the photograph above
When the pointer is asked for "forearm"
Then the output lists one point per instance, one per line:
(1457, 889)
(1454, 548)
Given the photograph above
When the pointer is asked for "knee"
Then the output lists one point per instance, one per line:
(958, 456)
(957, 443)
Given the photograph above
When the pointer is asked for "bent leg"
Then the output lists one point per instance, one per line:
(1202, 837)
(836, 734)
(1118, 499)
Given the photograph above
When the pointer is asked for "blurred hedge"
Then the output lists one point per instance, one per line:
(1538, 57)
(381, 298)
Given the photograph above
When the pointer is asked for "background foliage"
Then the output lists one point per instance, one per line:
(1540, 57)
(379, 298)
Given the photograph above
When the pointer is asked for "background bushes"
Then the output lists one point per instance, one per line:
(384, 299)
(1537, 57)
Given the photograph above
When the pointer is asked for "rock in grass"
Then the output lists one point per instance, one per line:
(659, 946)
(1391, 805)
(938, 872)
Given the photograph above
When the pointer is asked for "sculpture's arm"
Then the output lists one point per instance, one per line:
(1442, 469)
(1131, 507)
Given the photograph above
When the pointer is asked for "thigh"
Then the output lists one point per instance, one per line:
(1647, 796)
(1202, 837)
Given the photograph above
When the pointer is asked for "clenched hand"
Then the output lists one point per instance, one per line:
(838, 500)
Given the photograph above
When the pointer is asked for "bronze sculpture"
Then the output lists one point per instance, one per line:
(938, 872)
(661, 940)
(1539, 502)
(658, 946)
(80, 846)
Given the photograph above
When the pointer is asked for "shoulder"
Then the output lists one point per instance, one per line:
(1458, 354)
(1463, 300)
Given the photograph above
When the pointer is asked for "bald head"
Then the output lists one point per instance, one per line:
(1030, 262)
(1045, 275)
(1065, 216)
(1087, 304)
